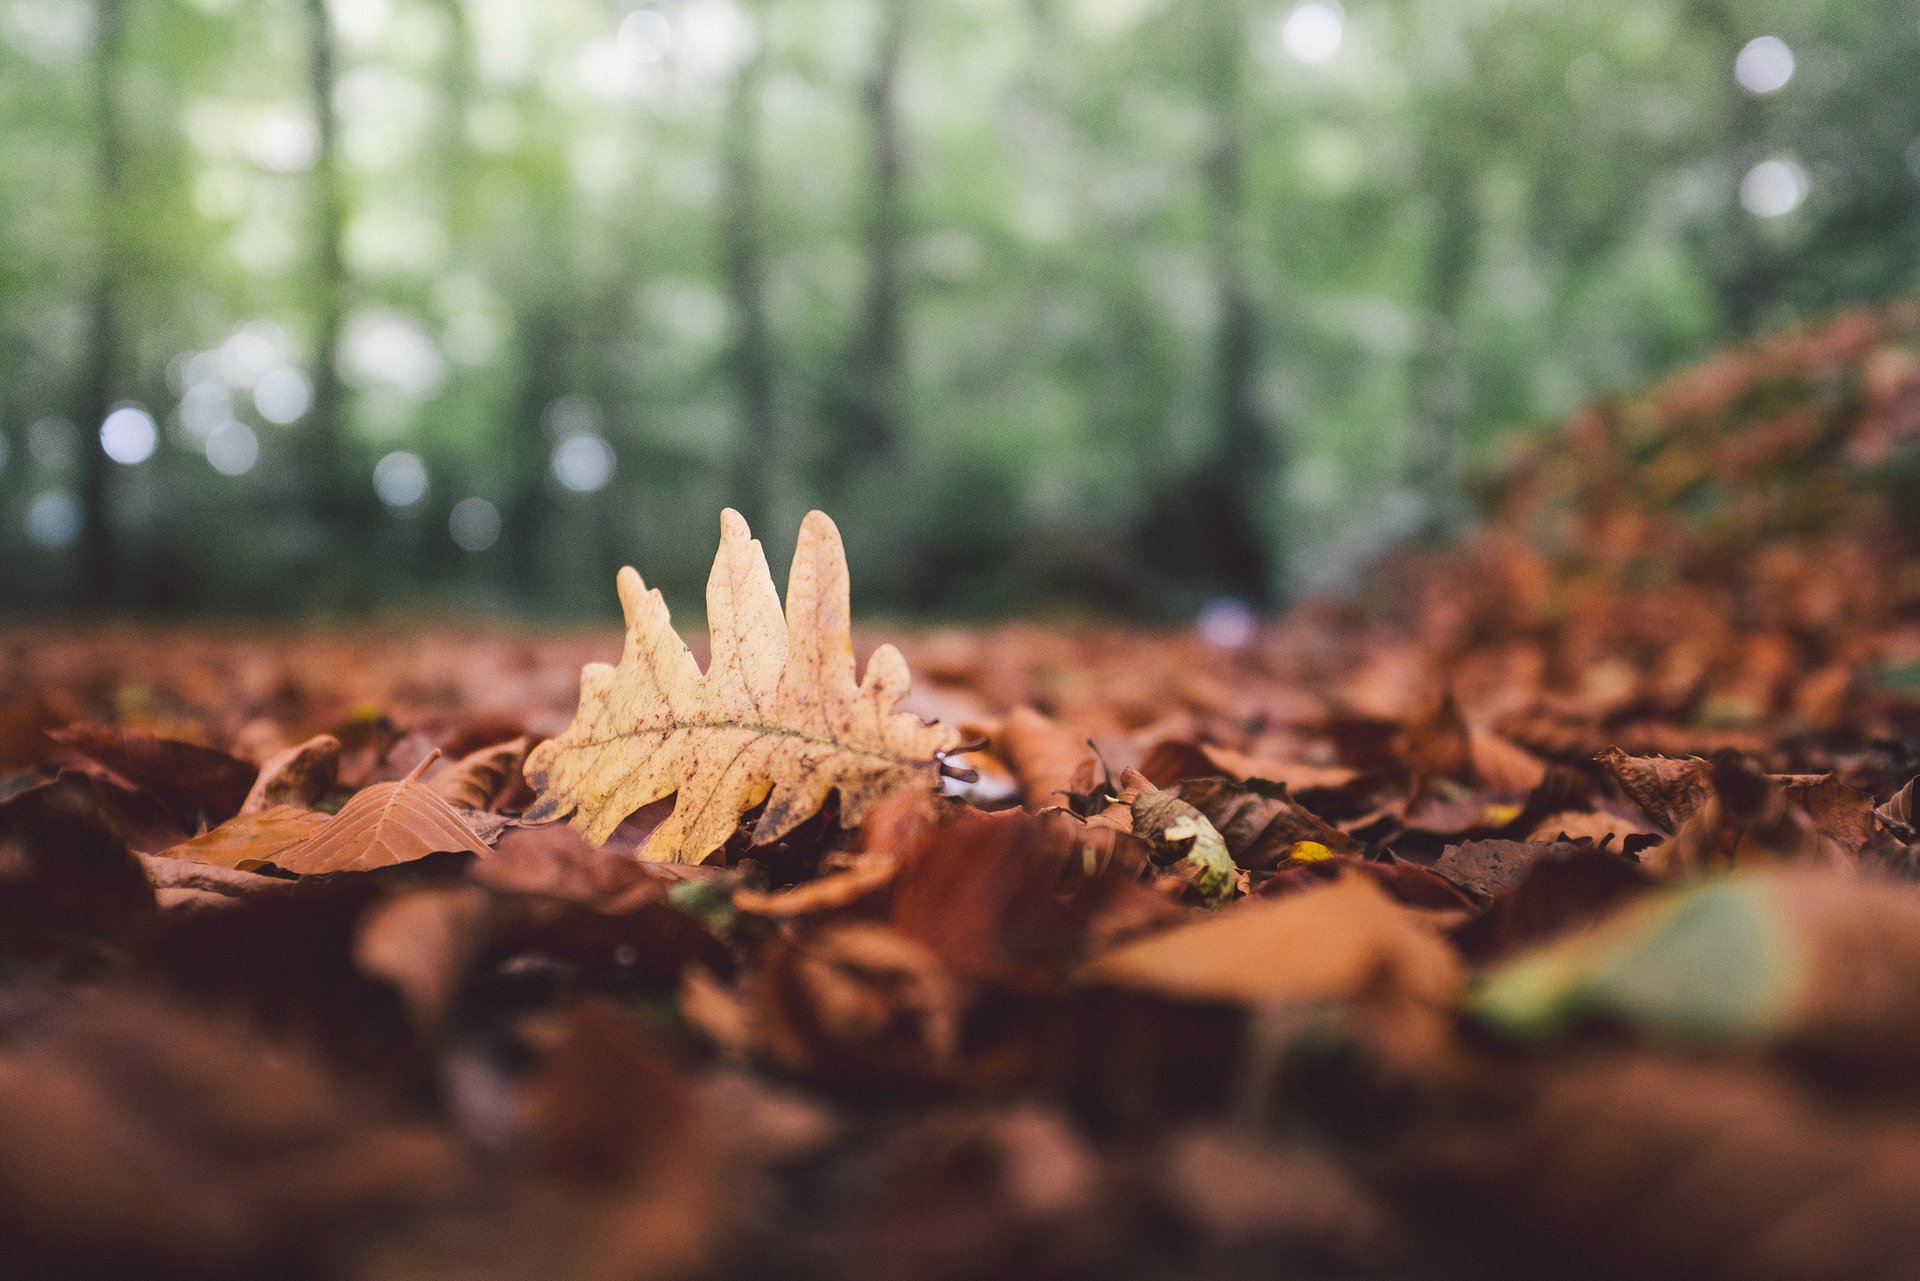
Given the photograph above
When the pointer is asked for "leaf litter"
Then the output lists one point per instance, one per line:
(1549, 911)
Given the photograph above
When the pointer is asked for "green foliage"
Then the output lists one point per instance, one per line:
(1473, 214)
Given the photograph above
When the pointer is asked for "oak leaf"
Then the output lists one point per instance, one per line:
(778, 716)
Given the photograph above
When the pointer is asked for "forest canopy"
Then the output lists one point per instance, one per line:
(322, 304)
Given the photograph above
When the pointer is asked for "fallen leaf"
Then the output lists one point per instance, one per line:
(839, 886)
(1670, 791)
(1490, 868)
(1748, 819)
(299, 775)
(249, 840)
(1050, 762)
(476, 780)
(1644, 1166)
(1346, 941)
(1171, 823)
(1172, 761)
(384, 824)
(777, 717)
(198, 783)
(1262, 824)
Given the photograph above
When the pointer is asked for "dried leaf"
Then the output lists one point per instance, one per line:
(1346, 941)
(1677, 1171)
(838, 887)
(777, 717)
(477, 779)
(1748, 820)
(1175, 760)
(197, 782)
(1171, 823)
(1263, 825)
(250, 839)
(1670, 791)
(384, 824)
(1050, 762)
(299, 775)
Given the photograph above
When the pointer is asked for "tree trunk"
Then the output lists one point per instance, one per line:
(744, 250)
(1246, 459)
(1438, 391)
(1745, 284)
(875, 409)
(328, 485)
(526, 448)
(98, 560)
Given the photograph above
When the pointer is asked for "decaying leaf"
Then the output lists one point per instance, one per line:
(1170, 823)
(1670, 791)
(195, 782)
(1262, 824)
(778, 716)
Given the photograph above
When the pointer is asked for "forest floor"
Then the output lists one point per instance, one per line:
(1551, 912)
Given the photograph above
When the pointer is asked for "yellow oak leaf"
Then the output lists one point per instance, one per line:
(778, 715)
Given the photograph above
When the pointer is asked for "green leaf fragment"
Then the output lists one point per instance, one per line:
(1713, 964)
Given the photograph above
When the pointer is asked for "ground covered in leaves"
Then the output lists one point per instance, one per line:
(1548, 910)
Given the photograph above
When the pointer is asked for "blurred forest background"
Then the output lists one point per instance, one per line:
(337, 304)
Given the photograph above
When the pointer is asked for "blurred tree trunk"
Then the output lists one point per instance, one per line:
(1438, 391)
(543, 342)
(875, 406)
(1745, 276)
(324, 436)
(459, 183)
(743, 235)
(98, 561)
(1246, 460)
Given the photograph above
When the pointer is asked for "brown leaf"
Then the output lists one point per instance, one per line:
(1670, 791)
(198, 783)
(777, 717)
(1748, 819)
(863, 1001)
(1017, 896)
(557, 862)
(384, 824)
(421, 943)
(1900, 807)
(1491, 868)
(1657, 1168)
(1342, 942)
(1050, 762)
(1173, 761)
(476, 780)
(248, 840)
(856, 880)
(297, 776)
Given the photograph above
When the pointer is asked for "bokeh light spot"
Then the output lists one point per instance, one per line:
(1312, 31)
(53, 520)
(1774, 188)
(283, 396)
(583, 463)
(232, 449)
(129, 435)
(1764, 65)
(474, 524)
(400, 479)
